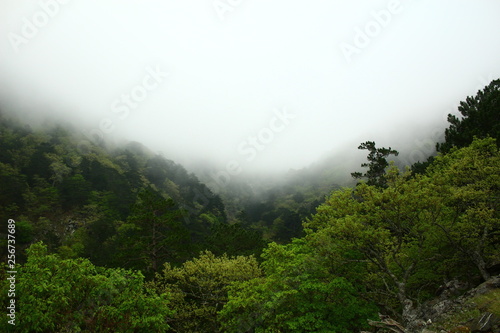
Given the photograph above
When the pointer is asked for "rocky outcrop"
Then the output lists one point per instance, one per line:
(465, 312)
(476, 311)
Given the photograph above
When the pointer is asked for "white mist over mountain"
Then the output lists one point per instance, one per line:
(248, 85)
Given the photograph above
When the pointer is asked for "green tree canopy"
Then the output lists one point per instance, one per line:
(73, 295)
(470, 177)
(480, 116)
(152, 235)
(415, 231)
(298, 293)
(199, 288)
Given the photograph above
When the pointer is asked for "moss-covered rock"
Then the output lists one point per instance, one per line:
(478, 310)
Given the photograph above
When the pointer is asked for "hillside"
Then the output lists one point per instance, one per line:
(102, 238)
(78, 196)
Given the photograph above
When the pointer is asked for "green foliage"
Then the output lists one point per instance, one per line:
(13, 184)
(480, 116)
(386, 245)
(297, 294)
(387, 229)
(415, 231)
(72, 295)
(199, 288)
(470, 177)
(278, 212)
(42, 199)
(75, 191)
(234, 239)
(153, 234)
(77, 197)
(377, 166)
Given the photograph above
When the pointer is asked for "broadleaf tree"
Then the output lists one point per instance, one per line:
(73, 295)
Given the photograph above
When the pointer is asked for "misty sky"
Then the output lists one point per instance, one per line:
(250, 84)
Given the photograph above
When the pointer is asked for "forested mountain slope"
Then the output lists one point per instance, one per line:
(83, 199)
(123, 240)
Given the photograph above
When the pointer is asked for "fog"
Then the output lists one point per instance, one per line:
(246, 85)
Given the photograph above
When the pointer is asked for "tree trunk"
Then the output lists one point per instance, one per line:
(481, 265)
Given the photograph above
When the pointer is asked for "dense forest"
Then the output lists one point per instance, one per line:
(120, 239)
